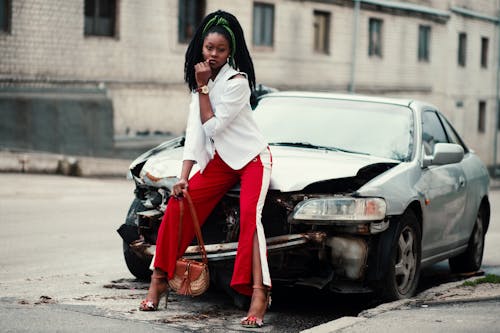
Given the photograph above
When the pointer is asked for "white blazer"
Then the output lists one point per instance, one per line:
(232, 131)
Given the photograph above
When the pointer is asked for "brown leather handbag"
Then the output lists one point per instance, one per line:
(191, 277)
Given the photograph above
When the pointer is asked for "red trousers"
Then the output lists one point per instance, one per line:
(206, 190)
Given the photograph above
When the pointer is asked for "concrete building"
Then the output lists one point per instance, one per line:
(127, 56)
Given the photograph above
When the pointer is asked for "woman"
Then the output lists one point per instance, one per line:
(222, 137)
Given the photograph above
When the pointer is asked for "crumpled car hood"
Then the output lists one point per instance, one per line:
(293, 168)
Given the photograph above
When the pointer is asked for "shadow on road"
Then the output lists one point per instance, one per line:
(302, 308)
(440, 273)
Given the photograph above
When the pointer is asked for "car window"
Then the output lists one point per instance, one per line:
(452, 134)
(377, 129)
(433, 131)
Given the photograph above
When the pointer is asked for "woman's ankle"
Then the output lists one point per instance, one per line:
(158, 284)
(158, 274)
(259, 302)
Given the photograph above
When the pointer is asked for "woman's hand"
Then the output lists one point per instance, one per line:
(202, 72)
(182, 184)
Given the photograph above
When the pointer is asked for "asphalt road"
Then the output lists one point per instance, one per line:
(61, 268)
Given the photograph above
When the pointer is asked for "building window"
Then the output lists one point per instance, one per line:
(462, 48)
(100, 17)
(481, 121)
(484, 52)
(424, 35)
(191, 13)
(321, 32)
(263, 24)
(4, 15)
(375, 37)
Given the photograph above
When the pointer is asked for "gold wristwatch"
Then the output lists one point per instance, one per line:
(203, 89)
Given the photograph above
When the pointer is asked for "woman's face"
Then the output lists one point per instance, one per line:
(216, 50)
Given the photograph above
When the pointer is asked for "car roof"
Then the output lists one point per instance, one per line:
(339, 96)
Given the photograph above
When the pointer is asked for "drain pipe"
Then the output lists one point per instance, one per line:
(496, 172)
(354, 45)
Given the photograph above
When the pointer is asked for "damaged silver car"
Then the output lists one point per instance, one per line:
(364, 193)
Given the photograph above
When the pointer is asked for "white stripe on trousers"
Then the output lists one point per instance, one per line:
(265, 158)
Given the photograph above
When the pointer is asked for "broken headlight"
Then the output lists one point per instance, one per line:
(341, 209)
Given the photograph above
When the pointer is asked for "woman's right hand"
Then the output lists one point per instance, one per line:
(182, 184)
(202, 73)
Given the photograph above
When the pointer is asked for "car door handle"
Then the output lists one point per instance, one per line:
(461, 182)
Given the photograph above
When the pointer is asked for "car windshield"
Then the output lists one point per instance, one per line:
(378, 129)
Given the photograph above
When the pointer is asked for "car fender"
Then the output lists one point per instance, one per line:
(396, 186)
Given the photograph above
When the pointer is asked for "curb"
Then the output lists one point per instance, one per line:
(494, 183)
(421, 300)
(334, 325)
(48, 163)
(459, 300)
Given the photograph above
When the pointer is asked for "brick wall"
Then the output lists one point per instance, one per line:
(58, 121)
(142, 67)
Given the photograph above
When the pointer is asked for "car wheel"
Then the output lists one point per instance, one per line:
(472, 258)
(138, 266)
(403, 272)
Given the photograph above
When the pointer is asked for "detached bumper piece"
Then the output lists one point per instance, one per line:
(227, 251)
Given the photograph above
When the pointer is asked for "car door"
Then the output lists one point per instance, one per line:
(443, 189)
(469, 166)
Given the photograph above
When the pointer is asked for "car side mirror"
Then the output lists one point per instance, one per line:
(444, 153)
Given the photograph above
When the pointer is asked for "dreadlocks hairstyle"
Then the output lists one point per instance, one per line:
(227, 25)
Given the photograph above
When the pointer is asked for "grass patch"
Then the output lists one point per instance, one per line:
(489, 278)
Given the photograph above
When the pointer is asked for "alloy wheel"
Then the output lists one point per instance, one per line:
(406, 262)
(478, 240)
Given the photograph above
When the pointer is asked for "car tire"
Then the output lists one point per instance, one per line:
(401, 278)
(472, 258)
(138, 266)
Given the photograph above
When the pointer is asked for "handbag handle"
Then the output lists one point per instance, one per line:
(196, 223)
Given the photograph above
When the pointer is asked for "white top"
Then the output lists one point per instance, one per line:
(232, 131)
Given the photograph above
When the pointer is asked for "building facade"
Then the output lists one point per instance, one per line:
(132, 52)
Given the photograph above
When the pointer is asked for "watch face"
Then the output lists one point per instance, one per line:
(204, 90)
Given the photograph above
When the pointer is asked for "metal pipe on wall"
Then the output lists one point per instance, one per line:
(354, 46)
(495, 171)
